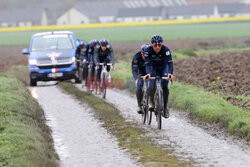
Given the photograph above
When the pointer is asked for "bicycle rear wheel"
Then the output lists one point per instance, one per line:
(158, 104)
(103, 89)
(144, 114)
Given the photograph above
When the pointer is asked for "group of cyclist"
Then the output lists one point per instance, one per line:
(91, 55)
(152, 60)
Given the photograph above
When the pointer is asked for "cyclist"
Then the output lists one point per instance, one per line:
(92, 45)
(159, 62)
(103, 54)
(138, 70)
(84, 59)
(78, 55)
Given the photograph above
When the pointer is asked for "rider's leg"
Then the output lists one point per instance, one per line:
(152, 88)
(97, 79)
(139, 95)
(165, 92)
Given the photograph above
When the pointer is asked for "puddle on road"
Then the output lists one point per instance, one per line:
(79, 138)
(189, 142)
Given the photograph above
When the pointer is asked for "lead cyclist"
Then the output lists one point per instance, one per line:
(159, 63)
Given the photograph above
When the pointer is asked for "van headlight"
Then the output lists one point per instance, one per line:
(32, 62)
(73, 59)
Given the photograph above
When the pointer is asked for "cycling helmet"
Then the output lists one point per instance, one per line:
(95, 42)
(78, 42)
(104, 42)
(82, 43)
(156, 39)
(144, 47)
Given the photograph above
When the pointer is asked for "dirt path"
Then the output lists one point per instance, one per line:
(189, 142)
(80, 139)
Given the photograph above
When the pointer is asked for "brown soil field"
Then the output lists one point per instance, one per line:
(11, 56)
(123, 48)
(227, 72)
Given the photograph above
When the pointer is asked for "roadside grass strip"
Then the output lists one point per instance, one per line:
(210, 108)
(129, 135)
(25, 139)
(201, 105)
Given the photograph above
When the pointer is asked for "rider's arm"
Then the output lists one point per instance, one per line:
(170, 63)
(83, 54)
(134, 66)
(96, 56)
(148, 63)
(112, 56)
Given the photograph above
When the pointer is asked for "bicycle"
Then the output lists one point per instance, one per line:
(103, 79)
(158, 98)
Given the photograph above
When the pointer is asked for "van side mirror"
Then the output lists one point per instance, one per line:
(25, 51)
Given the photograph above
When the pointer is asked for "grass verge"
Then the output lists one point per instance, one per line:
(25, 139)
(201, 105)
(129, 136)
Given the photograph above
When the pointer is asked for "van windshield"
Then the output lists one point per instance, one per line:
(52, 42)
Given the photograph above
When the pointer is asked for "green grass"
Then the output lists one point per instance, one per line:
(200, 104)
(210, 108)
(25, 139)
(144, 33)
(129, 135)
(206, 52)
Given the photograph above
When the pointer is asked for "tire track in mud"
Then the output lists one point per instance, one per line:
(188, 141)
(79, 138)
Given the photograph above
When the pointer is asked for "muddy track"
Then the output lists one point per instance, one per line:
(189, 141)
(80, 140)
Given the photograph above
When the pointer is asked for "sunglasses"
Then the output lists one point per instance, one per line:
(159, 45)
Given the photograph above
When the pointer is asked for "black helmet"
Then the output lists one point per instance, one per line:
(104, 42)
(144, 47)
(82, 44)
(156, 39)
(95, 42)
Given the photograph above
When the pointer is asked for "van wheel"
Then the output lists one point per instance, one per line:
(33, 82)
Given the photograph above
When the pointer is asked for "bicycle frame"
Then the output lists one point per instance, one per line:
(159, 99)
(103, 78)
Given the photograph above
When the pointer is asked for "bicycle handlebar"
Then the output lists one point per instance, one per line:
(159, 78)
(108, 64)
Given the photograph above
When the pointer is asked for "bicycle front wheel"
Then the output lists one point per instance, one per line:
(158, 104)
(103, 90)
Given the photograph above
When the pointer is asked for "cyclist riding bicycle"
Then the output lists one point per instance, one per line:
(92, 45)
(159, 63)
(84, 59)
(138, 70)
(103, 53)
(79, 49)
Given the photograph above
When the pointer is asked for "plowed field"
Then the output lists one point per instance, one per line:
(227, 72)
